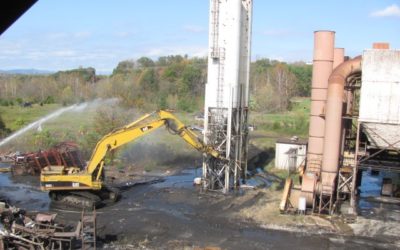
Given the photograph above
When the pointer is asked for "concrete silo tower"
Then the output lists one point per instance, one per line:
(227, 92)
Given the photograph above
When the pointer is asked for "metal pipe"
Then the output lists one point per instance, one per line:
(338, 57)
(322, 68)
(333, 118)
(381, 45)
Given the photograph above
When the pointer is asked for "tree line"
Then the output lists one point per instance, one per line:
(174, 82)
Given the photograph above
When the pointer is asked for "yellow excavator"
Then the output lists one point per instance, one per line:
(85, 187)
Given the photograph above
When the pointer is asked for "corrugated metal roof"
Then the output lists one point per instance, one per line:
(293, 141)
(382, 135)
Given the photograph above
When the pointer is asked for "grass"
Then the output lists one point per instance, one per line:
(68, 126)
(270, 127)
(16, 117)
(293, 122)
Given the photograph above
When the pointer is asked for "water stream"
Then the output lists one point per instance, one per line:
(38, 123)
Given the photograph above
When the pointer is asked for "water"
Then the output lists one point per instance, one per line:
(23, 192)
(182, 180)
(38, 124)
(370, 189)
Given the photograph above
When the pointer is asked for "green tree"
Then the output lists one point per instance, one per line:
(149, 80)
(283, 83)
(124, 67)
(145, 62)
(303, 74)
(44, 139)
(191, 80)
(3, 129)
(67, 95)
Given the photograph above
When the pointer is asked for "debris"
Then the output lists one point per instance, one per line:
(18, 230)
(349, 218)
(64, 154)
(5, 170)
(197, 181)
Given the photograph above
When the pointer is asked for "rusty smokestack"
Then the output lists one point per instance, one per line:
(338, 57)
(322, 68)
(333, 118)
(380, 45)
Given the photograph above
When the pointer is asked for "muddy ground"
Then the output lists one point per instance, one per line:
(174, 214)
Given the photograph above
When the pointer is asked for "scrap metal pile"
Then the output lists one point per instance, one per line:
(18, 230)
(64, 154)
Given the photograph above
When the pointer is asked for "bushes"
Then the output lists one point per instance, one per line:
(49, 100)
(19, 122)
(5, 102)
(289, 124)
(3, 129)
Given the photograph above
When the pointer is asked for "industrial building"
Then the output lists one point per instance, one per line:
(354, 124)
(290, 153)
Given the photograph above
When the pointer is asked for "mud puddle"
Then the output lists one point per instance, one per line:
(23, 192)
(174, 214)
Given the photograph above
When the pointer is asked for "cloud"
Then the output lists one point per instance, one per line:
(122, 34)
(390, 11)
(82, 34)
(63, 53)
(193, 28)
(57, 35)
(67, 35)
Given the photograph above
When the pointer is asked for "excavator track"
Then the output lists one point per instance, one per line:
(77, 199)
(110, 193)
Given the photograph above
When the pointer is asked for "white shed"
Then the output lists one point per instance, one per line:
(290, 153)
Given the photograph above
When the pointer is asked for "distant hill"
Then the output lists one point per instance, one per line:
(26, 72)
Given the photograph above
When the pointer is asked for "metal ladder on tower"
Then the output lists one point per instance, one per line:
(88, 233)
(218, 54)
(220, 87)
(215, 28)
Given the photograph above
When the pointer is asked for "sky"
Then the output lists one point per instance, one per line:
(66, 34)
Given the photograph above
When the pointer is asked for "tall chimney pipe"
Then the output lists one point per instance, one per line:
(322, 68)
(381, 45)
(333, 118)
(338, 57)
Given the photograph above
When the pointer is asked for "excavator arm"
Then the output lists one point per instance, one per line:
(139, 128)
(85, 187)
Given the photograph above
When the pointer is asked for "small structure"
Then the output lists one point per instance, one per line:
(290, 153)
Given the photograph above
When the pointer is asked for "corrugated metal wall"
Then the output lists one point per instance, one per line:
(380, 89)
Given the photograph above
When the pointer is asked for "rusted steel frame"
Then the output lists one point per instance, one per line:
(63, 160)
(46, 159)
(57, 157)
(345, 181)
(390, 146)
(36, 160)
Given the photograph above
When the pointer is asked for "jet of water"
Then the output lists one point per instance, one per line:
(42, 120)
